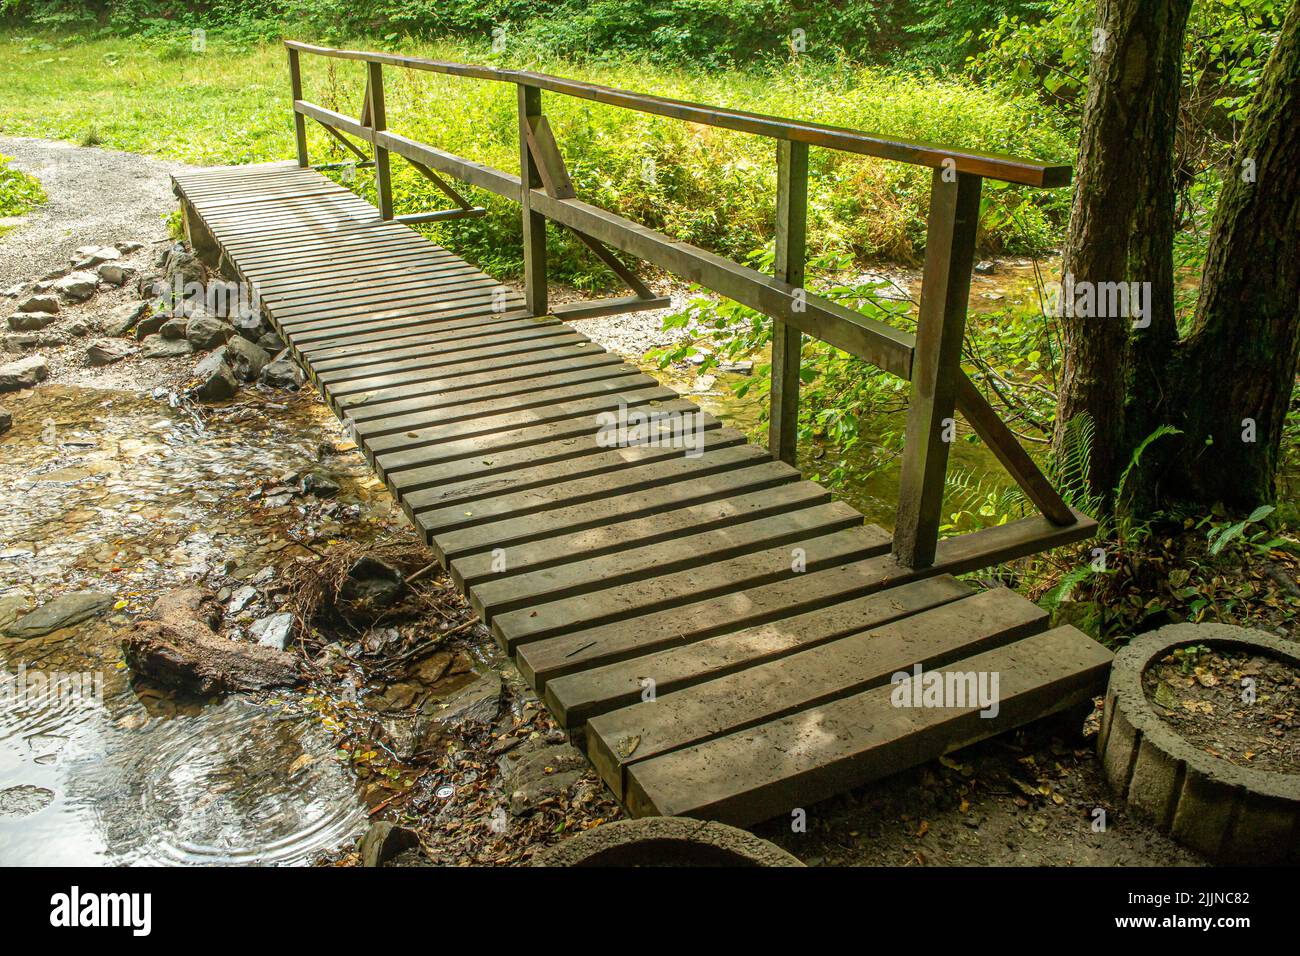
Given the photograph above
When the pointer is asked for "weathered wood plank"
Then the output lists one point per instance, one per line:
(619, 522)
(768, 566)
(804, 679)
(690, 549)
(768, 770)
(575, 695)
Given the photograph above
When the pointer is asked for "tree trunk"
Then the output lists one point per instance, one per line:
(1122, 226)
(1238, 364)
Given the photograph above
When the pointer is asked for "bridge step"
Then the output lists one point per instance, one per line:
(766, 619)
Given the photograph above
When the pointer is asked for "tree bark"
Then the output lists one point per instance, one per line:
(1122, 226)
(1238, 364)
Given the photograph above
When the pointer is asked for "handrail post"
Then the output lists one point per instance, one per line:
(787, 341)
(379, 123)
(534, 224)
(936, 365)
(299, 121)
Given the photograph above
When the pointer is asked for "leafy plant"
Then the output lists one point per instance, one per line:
(1223, 534)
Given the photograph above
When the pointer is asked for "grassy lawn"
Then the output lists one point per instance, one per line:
(230, 105)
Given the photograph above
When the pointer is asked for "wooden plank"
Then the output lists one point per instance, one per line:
(804, 679)
(768, 770)
(619, 522)
(470, 492)
(482, 412)
(353, 296)
(438, 395)
(787, 341)
(418, 454)
(690, 549)
(574, 695)
(875, 342)
(989, 165)
(465, 370)
(349, 376)
(406, 328)
(534, 224)
(768, 566)
(513, 426)
(449, 378)
(295, 87)
(1006, 448)
(703, 618)
(940, 325)
(619, 305)
(547, 157)
(428, 292)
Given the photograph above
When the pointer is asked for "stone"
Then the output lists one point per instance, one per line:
(122, 320)
(271, 343)
(476, 703)
(274, 631)
(244, 358)
(12, 607)
(184, 274)
(216, 382)
(31, 340)
(39, 303)
(14, 291)
(372, 581)
(539, 771)
(241, 599)
(177, 645)
(76, 286)
(204, 332)
(107, 351)
(88, 257)
(150, 285)
(24, 373)
(282, 373)
(249, 325)
(60, 612)
(383, 841)
(322, 484)
(128, 246)
(174, 328)
(31, 321)
(6, 420)
(80, 328)
(155, 346)
(114, 273)
(985, 268)
(150, 324)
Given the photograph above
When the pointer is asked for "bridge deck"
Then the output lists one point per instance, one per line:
(718, 631)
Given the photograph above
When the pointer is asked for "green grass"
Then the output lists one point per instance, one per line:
(710, 187)
(19, 192)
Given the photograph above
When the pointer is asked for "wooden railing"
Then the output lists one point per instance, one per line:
(930, 359)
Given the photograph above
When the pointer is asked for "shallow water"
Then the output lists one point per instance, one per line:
(121, 492)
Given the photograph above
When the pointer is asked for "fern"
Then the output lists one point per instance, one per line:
(1155, 436)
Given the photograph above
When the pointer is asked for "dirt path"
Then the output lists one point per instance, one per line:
(96, 196)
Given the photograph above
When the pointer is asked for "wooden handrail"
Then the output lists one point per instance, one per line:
(987, 165)
(930, 359)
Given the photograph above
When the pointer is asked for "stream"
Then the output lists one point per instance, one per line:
(124, 493)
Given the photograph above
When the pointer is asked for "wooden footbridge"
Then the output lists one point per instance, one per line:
(719, 633)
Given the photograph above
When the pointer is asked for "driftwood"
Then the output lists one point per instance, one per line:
(177, 645)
